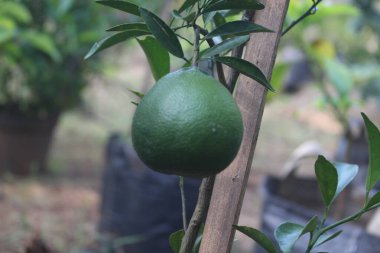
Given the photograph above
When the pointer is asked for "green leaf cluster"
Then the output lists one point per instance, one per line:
(42, 44)
(332, 179)
(159, 39)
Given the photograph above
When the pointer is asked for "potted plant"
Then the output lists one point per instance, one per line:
(42, 73)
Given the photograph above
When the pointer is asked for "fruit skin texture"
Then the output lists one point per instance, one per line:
(188, 124)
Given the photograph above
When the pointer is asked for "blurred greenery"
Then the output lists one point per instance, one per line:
(341, 45)
(42, 44)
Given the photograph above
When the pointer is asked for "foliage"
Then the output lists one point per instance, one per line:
(342, 63)
(332, 179)
(42, 43)
(160, 37)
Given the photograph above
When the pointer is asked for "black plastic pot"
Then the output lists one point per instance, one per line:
(25, 142)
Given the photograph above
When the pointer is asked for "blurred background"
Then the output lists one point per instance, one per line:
(58, 112)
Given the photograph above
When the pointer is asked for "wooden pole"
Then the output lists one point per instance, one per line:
(229, 188)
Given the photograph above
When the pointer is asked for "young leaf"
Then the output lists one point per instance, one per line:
(327, 177)
(158, 57)
(373, 135)
(346, 173)
(325, 238)
(122, 6)
(234, 5)
(139, 94)
(235, 28)
(339, 75)
(287, 235)
(198, 241)
(187, 4)
(374, 200)
(112, 40)
(219, 19)
(128, 27)
(310, 226)
(175, 240)
(246, 68)
(207, 17)
(225, 46)
(188, 18)
(258, 237)
(42, 42)
(163, 33)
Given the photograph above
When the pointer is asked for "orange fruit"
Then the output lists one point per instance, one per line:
(188, 124)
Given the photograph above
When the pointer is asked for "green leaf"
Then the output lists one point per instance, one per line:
(122, 6)
(128, 27)
(187, 4)
(346, 173)
(198, 241)
(325, 238)
(6, 35)
(158, 57)
(311, 226)
(258, 237)
(175, 240)
(287, 235)
(163, 33)
(208, 17)
(64, 7)
(139, 94)
(219, 19)
(188, 18)
(246, 68)
(16, 11)
(278, 76)
(373, 135)
(237, 28)
(374, 200)
(42, 42)
(113, 40)
(327, 177)
(234, 5)
(225, 46)
(339, 76)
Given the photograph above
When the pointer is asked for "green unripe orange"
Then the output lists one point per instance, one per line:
(188, 124)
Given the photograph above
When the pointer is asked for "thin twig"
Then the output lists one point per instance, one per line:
(185, 39)
(238, 52)
(183, 200)
(196, 46)
(219, 67)
(311, 11)
(204, 197)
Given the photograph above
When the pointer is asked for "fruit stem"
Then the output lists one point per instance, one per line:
(199, 215)
(196, 45)
(183, 200)
(219, 67)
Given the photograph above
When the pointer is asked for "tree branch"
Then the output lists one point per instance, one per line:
(204, 197)
(311, 11)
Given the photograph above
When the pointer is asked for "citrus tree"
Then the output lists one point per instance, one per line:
(189, 125)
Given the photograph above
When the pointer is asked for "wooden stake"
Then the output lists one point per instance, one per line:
(230, 185)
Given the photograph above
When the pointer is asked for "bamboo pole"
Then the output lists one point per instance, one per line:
(230, 185)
